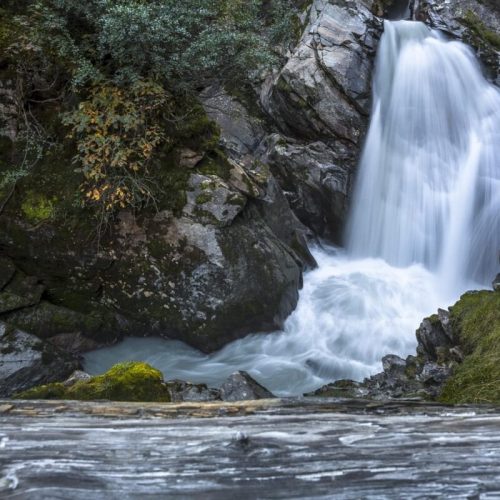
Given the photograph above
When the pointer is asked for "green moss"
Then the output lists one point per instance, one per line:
(215, 163)
(49, 391)
(478, 27)
(476, 320)
(131, 381)
(204, 197)
(37, 207)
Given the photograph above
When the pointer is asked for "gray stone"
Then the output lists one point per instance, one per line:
(434, 374)
(241, 131)
(240, 386)
(77, 376)
(27, 361)
(431, 336)
(210, 200)
(76, 343)
(496, 283)
(181, 390)
(324, 88)
(315, 178)
(393, 364)
(189, 158)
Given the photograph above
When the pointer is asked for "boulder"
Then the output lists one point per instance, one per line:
(181, 390)
(76, 376)
(27, 361)
(21, 291)
(241, 386)
(496, 283)
(431, 336)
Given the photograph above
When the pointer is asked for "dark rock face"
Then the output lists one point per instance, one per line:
(324, 89)
(315, 179)
(320, 102)
(27, 361)
(240, 387)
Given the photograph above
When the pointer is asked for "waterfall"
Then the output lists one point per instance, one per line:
(424, 227)
(427, 189)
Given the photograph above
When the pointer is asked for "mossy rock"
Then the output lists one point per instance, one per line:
(130, 381)
(474, 23)
(476, 320)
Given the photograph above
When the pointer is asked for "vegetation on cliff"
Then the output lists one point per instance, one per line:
(475, 319)
(112, 87)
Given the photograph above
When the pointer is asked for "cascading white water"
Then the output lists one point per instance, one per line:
(424, 227)
(428, 188)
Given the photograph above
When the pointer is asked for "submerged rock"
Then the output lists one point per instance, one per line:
(241, 386)
(26, 361)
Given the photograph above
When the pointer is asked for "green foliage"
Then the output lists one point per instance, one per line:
(476, 319)
(37, 207)
(130, 381)
(117, 132)
(125, 77)
(183, 43)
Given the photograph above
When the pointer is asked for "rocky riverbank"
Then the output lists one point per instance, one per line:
(456, 359)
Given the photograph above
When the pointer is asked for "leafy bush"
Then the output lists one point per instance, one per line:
(126, 75)
(117, 131)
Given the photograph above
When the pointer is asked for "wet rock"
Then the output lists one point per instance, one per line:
(496, 283)
(47, 320)
(26, 361)
(339, 389)
(76, 376)
(431, 336)
(181, 390)
(241, 386)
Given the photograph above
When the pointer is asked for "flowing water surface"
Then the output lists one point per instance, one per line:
(424, 228)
